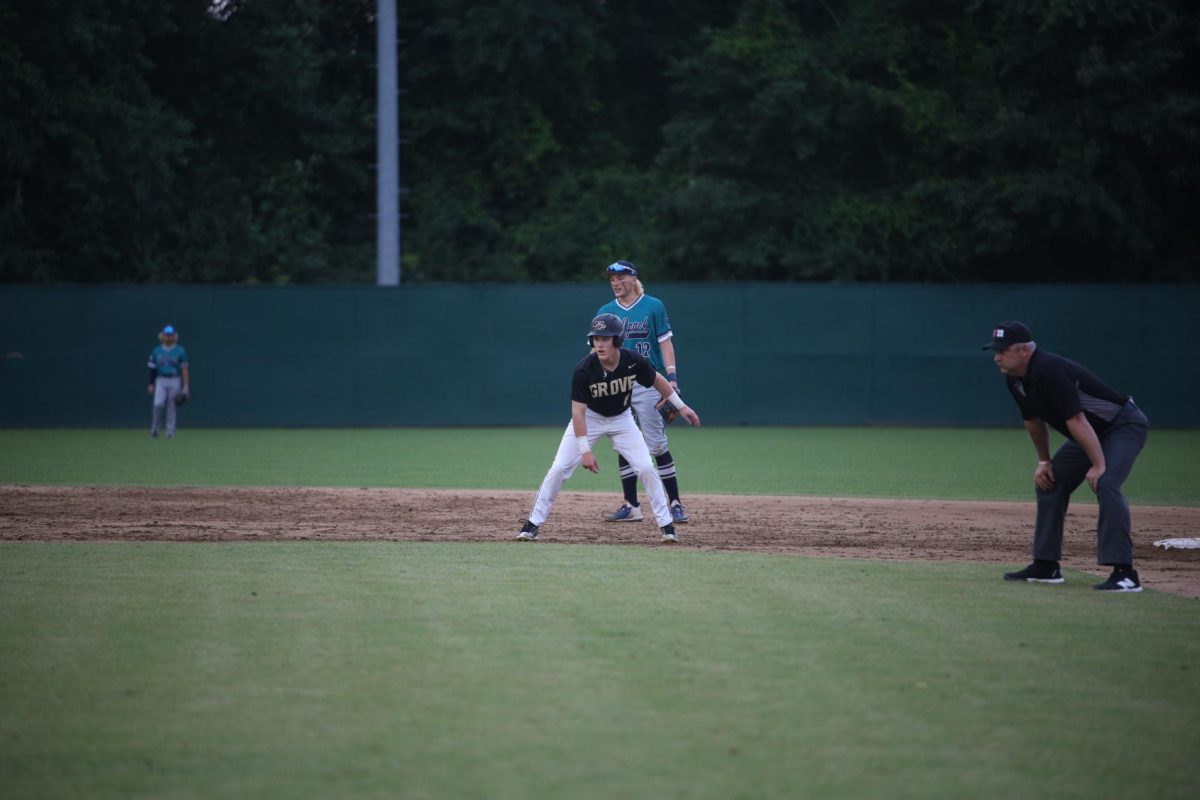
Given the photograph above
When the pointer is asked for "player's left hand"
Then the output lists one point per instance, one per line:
(589, 462)
(1093, 477)
(691, 416)
(667, 412)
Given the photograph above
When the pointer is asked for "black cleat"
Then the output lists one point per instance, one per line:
(529, 532)
(1037, 573)
(1122, 579)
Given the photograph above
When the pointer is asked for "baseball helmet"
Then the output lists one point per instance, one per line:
(608, 325)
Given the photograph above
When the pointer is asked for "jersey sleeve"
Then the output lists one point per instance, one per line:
(579, 385)
(1060, 393)
(183, 357)
(662, 323)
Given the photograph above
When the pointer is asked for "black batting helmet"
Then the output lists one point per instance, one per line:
(608, 325)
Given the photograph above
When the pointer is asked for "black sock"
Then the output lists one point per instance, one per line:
(666, 471)
(628, 481)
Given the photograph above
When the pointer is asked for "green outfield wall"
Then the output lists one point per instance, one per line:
(500, 354)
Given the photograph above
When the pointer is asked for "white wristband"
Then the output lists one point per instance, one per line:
(1043, 462)
(582, 443)
(674, 399)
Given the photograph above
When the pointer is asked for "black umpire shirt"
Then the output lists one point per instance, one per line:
(608, 393)
(1055, 389)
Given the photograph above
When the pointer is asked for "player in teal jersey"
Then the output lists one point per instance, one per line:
(647, 333)
(169, 379)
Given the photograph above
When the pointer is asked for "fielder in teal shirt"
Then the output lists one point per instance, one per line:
(647, 333)
(646, 327)
(169, 379)
(168, 362)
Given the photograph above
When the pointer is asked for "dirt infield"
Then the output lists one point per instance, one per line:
(994, 533)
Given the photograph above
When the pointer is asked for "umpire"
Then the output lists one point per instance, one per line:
(1105, 432)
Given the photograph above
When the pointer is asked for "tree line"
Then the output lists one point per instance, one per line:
(812, 140)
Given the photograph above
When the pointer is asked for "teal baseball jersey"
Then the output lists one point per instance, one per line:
(168, 362)
(646, 327)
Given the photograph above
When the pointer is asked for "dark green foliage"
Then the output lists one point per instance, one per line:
(889, 140)
(937, 141)
(150, 140)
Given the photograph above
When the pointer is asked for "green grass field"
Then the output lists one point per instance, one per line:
(943, 463)
(425, 670)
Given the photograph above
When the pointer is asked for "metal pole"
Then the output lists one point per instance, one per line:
(387, 147)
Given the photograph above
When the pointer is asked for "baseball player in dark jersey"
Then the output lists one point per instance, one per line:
(648, 333)
(1105, 432)
(168, 366)
(601, 390)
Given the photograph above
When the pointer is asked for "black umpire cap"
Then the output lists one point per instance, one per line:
(1008, 333)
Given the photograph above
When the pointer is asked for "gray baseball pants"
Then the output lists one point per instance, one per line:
(165, 390)
(1121, 445)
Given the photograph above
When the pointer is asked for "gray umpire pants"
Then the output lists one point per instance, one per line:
(1121, 445)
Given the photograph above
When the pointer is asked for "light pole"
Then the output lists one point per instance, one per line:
(387, 148)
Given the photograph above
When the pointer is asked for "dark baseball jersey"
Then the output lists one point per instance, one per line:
(1055, 389)
(607, 393)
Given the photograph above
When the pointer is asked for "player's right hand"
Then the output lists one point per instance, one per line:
(589, 462)
(1043, 476)
(150, 389)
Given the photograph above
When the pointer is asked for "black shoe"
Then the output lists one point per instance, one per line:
(668, 534)
(529, 532)
(1037, 573)
(1123, 579)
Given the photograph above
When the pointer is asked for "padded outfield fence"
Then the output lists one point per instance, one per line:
(749, 353)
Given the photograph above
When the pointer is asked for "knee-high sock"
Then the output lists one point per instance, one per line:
(628, 481)
(666, 471)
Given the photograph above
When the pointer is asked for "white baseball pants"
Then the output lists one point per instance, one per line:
(627, 440)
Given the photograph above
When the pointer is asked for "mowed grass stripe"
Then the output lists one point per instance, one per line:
(506, 670)
(933, 463)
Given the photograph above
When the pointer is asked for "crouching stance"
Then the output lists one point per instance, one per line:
(1104, 430)
(601, 388)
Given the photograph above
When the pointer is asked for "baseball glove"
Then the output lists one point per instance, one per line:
(181, 398)
(669, 412)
